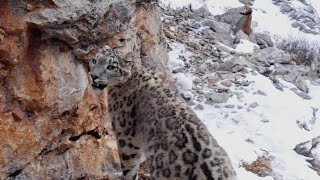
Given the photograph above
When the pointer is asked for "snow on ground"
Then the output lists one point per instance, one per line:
(316, 5)
(267, 17)
(246, 46)
(219, 7)
(180, 3)
(269, 129)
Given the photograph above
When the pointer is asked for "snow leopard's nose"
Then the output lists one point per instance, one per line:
(94, 77)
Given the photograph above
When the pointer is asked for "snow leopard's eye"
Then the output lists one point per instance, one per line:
(110, 67)
(94, 61)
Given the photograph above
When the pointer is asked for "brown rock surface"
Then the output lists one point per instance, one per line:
(52, 125)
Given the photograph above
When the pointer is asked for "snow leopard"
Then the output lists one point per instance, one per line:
(152, 123)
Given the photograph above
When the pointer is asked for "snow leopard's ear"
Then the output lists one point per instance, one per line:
(129, 57)
(127, 60)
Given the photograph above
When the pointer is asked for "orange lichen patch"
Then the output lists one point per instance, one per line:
(261, 167)
(12, 29)
(10, 22)
(16, 141)
(90, 112)
(11, 49)
(30, 72)
(143, 32)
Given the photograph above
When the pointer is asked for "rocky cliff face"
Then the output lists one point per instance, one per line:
(51, 122)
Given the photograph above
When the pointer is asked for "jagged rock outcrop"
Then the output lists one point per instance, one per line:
(263, 40)
(303, 15)
(272, 55)
(310, 149)
(240, 21)
(51, 122)
(202, 21)
(232, 16)
(239, 18)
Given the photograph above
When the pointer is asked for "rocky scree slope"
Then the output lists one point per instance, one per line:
(214, 66)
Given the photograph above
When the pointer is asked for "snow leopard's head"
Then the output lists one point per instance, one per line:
(110, 68)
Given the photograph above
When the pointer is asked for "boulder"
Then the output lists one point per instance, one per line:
(301, 84)
(217, 30)
(263, 40)
(231, 17)
(238, 63)
(198, 107)
(217, 97)
(203, 12)
(242, 35)
(272, 55)
(315, 69)
(311, 150)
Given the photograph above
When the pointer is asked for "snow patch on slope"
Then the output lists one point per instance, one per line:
(269, 129)
(316, 5)
(267, 17)
(246, 46)
(182, 3)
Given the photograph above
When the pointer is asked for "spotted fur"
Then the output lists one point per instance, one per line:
(153, 123)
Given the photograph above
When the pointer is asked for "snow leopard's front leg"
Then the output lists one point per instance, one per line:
(130, 157)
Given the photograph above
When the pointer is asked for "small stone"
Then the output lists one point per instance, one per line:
(226, 83)
(241, 35)
(198, 107)
(178, 70)
(191, 103)
(186, 96)
(215, 53)
(301, 84)
(249, 141)
(286, 8)
(217, 106)
(265, 120)
(208, 102)
(254, 105)
(236, 40)
(279, 86)
(169, 34)
(212, 82)
(261, 93)
(240, 107)
(226, 66)
(237, 68)
(197, 81)
(217, 97)
(301, 94)
(229, 106)
(245, 83)
(199, 98)
(196, 25)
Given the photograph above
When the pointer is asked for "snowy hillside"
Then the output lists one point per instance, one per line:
(267, 16)
(259, 119)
